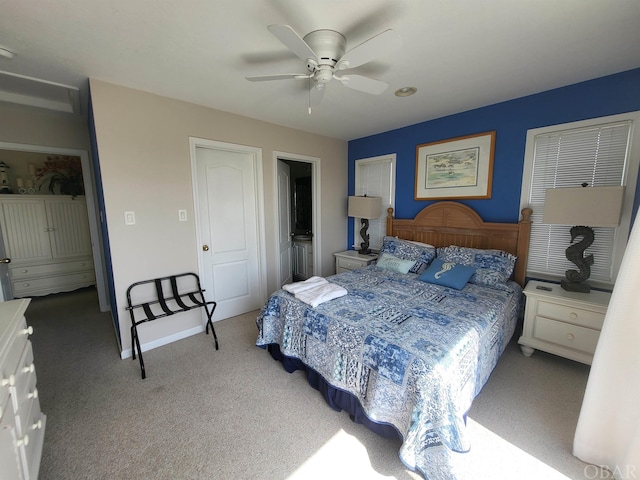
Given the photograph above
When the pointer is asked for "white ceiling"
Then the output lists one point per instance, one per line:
(460, 54)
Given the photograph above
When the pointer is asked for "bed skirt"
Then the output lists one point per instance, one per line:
(336, 398)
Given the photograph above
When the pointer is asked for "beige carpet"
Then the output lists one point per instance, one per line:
(236, 414)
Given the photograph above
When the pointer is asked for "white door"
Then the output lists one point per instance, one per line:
(284, 222)
(228, 225)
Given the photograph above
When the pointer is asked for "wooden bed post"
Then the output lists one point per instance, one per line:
(389, 220)
(524, 233)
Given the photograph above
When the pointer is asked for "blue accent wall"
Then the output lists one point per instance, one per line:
(614, 94)
(103, 220)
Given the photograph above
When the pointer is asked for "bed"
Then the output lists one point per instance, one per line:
(410, 341)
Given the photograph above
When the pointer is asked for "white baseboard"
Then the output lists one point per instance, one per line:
(164, 341)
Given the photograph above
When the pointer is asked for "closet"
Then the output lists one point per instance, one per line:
(48, 241)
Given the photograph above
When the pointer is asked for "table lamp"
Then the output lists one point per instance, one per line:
(582, 206)
(364, 208)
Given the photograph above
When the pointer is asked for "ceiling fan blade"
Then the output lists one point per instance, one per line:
(292, 41)
(363, 84)
(378, 46)
(284, 76)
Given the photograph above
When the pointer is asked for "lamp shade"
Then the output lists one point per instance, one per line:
(365, 207)
(588, 206)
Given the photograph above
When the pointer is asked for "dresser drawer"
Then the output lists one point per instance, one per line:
(570, 314)
(10, 357)
(29, 411)
(57, 282)
(566, 334)
(18, 272)
(33, 449)
(25, 378)
(10, 460)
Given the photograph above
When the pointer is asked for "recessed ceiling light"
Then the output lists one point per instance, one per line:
(405, 91)
(6, 53)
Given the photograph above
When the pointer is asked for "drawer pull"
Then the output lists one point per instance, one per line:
(29, 369)
(27, 331)
(33, 394)
(10, 381)
(37, 425)
(573, 315)
(570, 336)
(24, 441)
(26, 284)
(25, 271)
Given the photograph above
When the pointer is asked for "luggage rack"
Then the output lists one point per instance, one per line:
(185, 293)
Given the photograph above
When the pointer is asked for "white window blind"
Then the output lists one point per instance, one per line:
(375, 177)
(596, 155)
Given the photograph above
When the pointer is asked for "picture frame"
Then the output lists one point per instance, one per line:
(460, 167)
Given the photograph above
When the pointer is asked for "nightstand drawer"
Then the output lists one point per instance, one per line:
(566, 334)
(350, 264)
(570, 314)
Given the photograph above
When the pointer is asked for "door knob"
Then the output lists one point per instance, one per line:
(205, 248)
(5, 260)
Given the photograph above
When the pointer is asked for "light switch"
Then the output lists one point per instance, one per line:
(182, 215)
(129, 218)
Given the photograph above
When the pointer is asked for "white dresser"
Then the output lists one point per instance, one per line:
(352, 260)
(21, 421)
(47, 238)
(564, 323)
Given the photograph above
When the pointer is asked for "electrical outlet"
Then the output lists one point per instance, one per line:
(129, 218)
(182, 215)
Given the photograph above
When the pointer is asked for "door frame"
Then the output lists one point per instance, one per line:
(94, 231)
(256, 154)
(280, 165)
(316, 240)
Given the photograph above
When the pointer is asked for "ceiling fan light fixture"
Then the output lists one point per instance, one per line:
(405, 91)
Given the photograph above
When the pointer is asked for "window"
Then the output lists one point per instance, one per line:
(597, 152)
(375, 177)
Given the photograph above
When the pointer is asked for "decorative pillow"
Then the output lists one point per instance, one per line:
(395, 264)
(421, 255)
(447, 274)
(493, 267)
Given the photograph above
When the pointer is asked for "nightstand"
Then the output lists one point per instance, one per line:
(564, 323)
(352, 260)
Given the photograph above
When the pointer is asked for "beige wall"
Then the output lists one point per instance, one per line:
(143, 147)
(38, 127)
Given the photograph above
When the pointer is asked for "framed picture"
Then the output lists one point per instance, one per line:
(459, 167)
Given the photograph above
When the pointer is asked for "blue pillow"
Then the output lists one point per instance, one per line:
(394, 264)
(447, 274)
(493, 267)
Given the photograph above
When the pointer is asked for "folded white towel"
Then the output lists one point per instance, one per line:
(311, 282)
(321, 293)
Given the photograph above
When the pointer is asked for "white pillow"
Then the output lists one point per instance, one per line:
(394, 264)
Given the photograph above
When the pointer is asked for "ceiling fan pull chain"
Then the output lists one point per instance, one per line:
(309, 95)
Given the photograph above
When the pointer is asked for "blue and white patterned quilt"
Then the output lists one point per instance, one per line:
(414, 354)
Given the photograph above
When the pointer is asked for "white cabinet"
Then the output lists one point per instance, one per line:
(47, 238)
(22, 423)
(564, 323)
(302, 260)
(352, 260)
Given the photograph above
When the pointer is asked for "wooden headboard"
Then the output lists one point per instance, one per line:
(450, 223)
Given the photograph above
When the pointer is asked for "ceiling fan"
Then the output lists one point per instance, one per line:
(325, 57)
